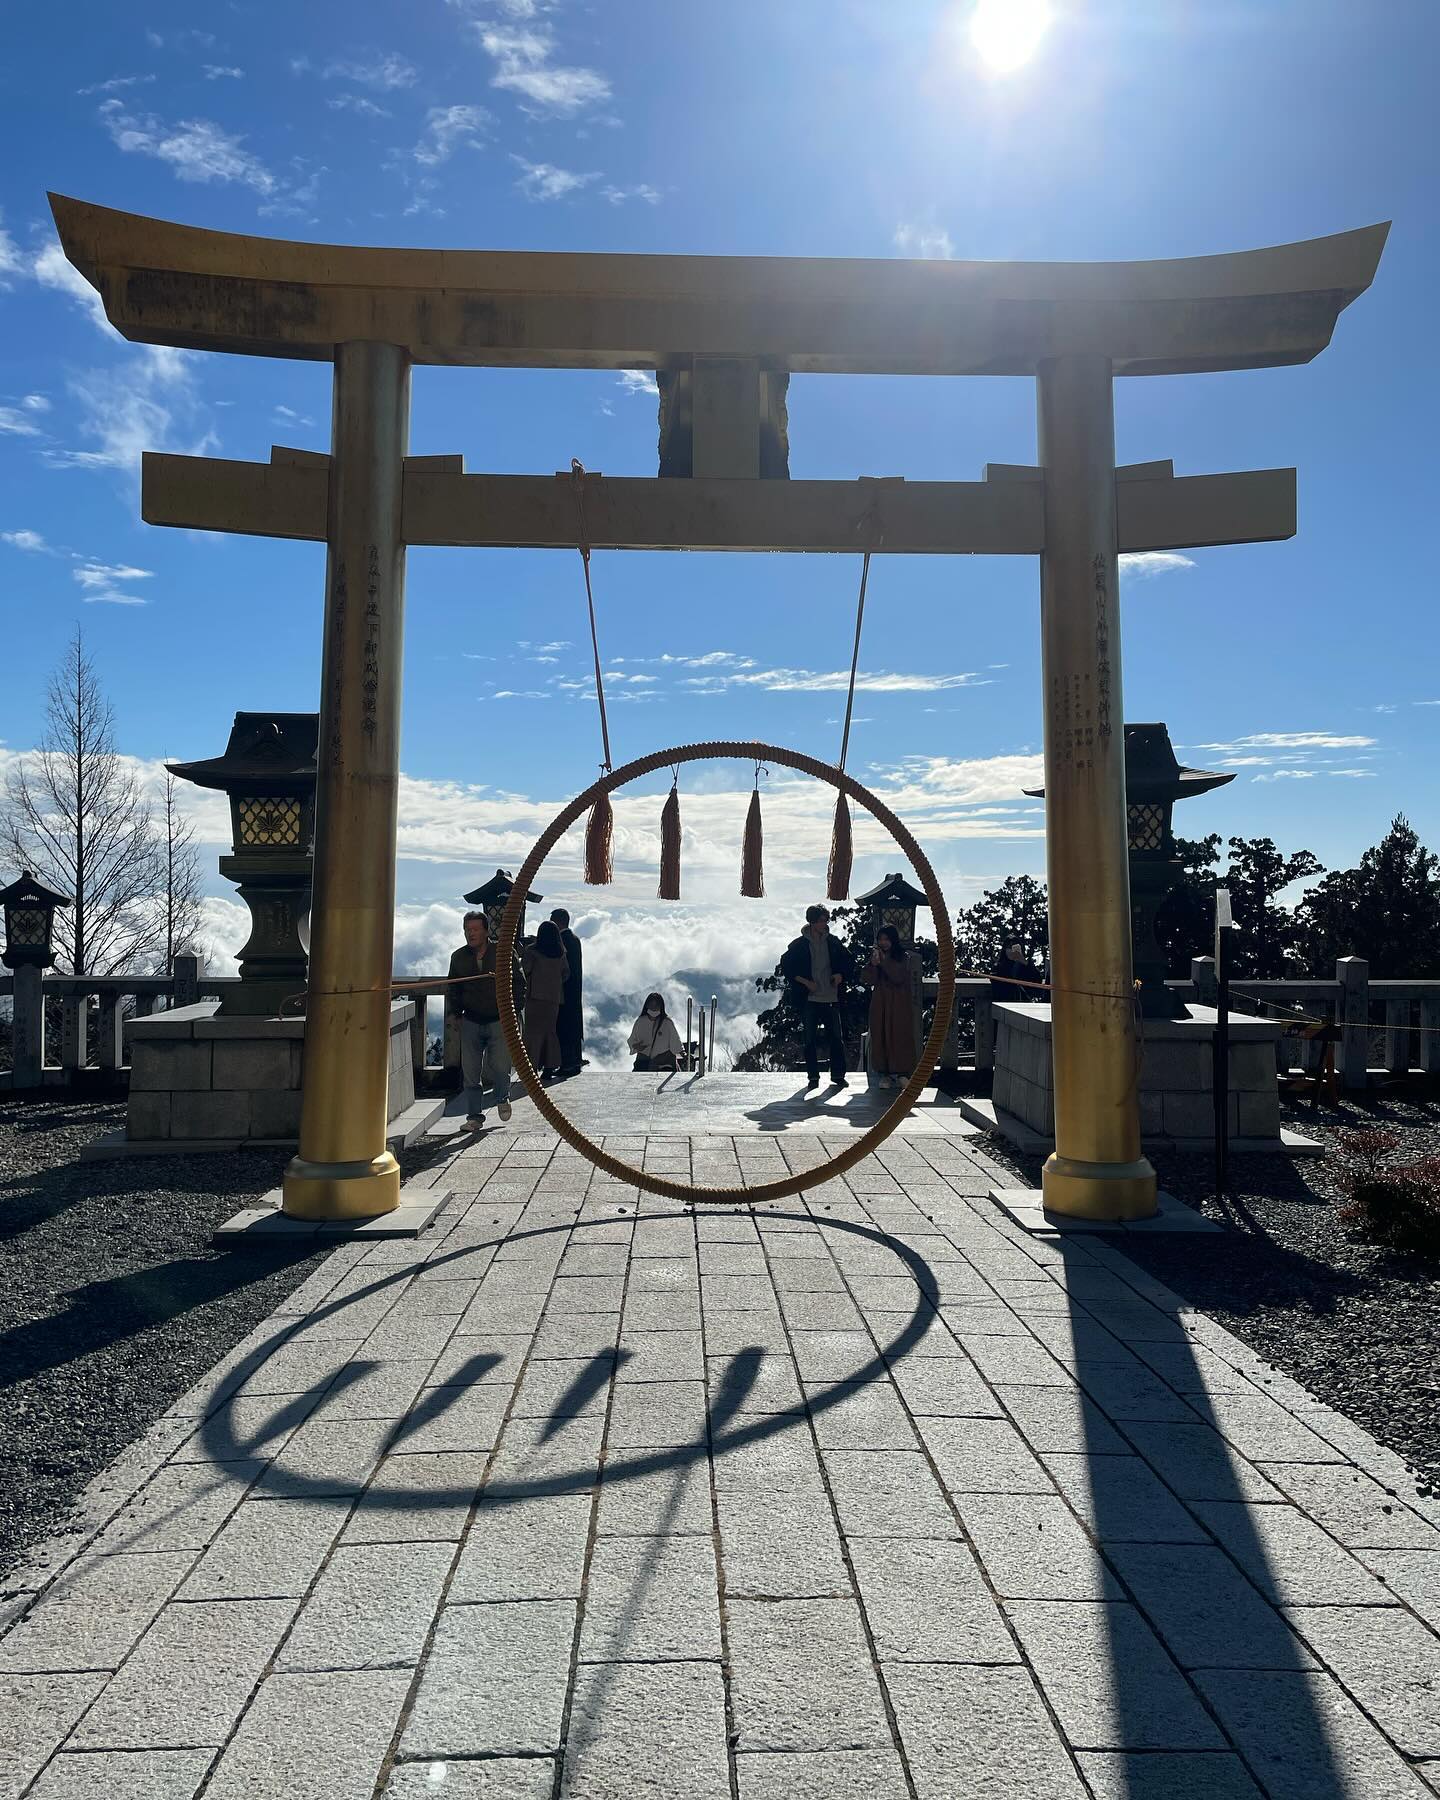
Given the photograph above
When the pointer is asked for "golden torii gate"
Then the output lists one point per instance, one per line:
(725, 333)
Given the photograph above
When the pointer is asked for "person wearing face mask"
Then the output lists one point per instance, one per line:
(654, 1039)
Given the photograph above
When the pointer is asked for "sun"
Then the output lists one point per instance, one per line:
(1007, 33)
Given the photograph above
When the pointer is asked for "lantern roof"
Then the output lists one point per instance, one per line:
(497, 890)
(268, 752)
(894, 890)
(1154, 772)
(29, 888)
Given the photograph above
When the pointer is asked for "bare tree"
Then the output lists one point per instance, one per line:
(76, 815)
(179, 906)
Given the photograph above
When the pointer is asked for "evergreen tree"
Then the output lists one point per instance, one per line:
(1185, 924)
(1016, 910)
(1265, 945)
(1386, 910)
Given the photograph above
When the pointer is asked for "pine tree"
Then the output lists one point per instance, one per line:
(1386, 910)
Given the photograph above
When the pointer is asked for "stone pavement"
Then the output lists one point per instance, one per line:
(858, 1497)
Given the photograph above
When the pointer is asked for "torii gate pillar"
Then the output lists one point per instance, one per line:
(343, 1169)
(1097, 1169)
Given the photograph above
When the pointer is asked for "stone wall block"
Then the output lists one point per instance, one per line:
(168, 1065)
(214, 1115)
(275, 1114)
(1259, 1114)
(251, 1063)
(1189, 1116)
(147, 1115)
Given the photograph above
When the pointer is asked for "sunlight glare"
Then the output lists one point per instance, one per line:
(1007, 33)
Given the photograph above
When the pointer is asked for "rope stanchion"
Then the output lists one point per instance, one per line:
(870, 1139)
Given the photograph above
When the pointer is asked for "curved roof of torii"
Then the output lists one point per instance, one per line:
(164, 283)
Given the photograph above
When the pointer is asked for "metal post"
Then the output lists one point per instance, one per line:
(343, 1169)
(712, 1031)
(1097, 1170)
(1220, 1083)
(689, 1027)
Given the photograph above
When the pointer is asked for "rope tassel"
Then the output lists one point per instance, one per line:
(842, 853)
(752, 857)
(599, 837)
(670, 845)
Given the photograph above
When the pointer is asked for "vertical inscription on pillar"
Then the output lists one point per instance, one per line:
(1102, 648)
(370, 679)
(339, 622)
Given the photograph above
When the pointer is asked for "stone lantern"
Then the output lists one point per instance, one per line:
(493, 896)
(268, 771)
(1154, 780)
(30, 922)
(893, 902)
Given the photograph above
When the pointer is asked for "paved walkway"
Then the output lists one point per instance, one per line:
(855, 1498)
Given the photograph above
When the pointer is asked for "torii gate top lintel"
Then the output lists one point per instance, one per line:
(164, 283)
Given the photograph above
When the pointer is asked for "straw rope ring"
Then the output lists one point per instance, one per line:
(868, 1140)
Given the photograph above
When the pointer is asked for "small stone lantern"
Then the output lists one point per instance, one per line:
(1154, 781)
(493, 896)
(893, 902)
(268, 770)
(30, 922)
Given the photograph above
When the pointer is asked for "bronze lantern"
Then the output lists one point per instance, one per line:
(30, 909)
(893, 902)
(268, 771)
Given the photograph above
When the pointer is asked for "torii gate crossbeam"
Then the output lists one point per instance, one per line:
(732, 328)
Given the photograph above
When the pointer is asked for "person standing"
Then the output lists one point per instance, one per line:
(484, 1055)
(570, 1025)
(892, 1009)
(818, 965)
(654, 1039)
(1013, 968)
(545, 969)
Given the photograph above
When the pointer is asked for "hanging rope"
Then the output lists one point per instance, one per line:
(842, 849)
(600, 826)
(670, 840)
(752, 855)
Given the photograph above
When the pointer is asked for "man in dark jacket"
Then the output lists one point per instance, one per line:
(1013, 969)
(484, 1055)
(570, 1025)
(817, 966)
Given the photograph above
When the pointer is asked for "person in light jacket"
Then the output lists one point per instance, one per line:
(546, 970)
(653, 1038)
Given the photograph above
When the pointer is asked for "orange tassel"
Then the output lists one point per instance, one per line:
(752, 865)
(599, 832)
(670, 846)
(842, 854)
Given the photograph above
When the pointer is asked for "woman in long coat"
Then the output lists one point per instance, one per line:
(546, 970)
(892, 1015)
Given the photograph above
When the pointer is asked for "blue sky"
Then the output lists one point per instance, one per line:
(849, 128)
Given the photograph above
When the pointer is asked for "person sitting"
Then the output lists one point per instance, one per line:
(546, 970)
(570, 1026)
(470, 997)
(817, 966)
(654, 1039)
(892, 1010)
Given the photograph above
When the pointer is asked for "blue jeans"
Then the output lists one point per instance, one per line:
(820, 1013)
(484, 1063)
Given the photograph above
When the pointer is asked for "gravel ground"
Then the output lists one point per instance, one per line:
(112, 1303)
(1357, 1324)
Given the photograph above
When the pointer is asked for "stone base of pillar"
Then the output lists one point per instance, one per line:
(200, 1081)
(1177, 1108)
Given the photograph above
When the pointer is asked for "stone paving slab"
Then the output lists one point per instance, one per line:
(868, 1493)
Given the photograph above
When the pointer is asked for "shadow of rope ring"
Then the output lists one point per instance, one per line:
(868, 1140)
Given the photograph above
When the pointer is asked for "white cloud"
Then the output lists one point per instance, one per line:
(25, 540)
(617, 196)
(522, 65)
(544, 181)
(357, 103)
(101, 583)
(1294, 740)
(1143, 564)
(114, 85)
(11, 261)
(930, 242)
(219, 72)
(809, 681)
(36, 403)
(52, 269)
(13, 423)
(187, 39)
(639, 381)
(447, 129)
(1289, 775)
(147, 403)
(545, 649)
(1354, 774)
(195, 149)
(385, 72)
(520, 694)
